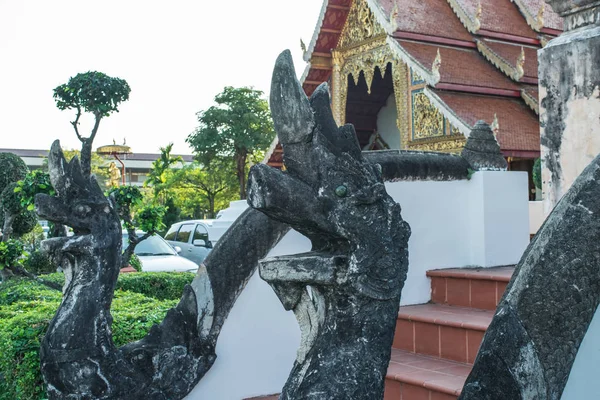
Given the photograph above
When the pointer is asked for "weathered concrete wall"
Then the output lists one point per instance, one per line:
(569, 108)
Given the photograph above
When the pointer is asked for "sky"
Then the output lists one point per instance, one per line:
(176, 56)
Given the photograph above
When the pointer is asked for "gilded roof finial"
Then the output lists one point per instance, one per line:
(520, 65)
(495, 125)
(393, 16)
(435, 67)
(302, 46)
(477, 24)
(540, 16)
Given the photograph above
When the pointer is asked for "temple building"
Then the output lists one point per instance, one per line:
(418, 75)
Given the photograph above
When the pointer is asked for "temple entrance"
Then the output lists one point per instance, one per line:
(373, 114)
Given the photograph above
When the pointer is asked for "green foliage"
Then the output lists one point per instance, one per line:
(94, 92)
(35, 182)
(159, 285)
(537, 173)
(12, 169)
(172, 215)
(26, 308)
(10, 199)
(162, 168)
(11, 252)
(24, 222)
(39, 263)
(135, 262)
(127, 196)
(150, 218)
(206, 188)
(238, 126)
(32, 240)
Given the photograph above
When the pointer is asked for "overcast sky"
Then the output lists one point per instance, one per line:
(176, 55)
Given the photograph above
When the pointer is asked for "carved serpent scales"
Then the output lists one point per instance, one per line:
(346, 292)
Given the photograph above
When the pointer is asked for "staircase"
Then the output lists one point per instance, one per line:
(435, 344)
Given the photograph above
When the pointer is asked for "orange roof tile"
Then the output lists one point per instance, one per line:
(500, 16)
(532, 7)
(518, 125)
(460, 66)
(426, 17)
(510, 53)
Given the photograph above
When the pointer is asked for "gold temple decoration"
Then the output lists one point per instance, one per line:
(444, 145)
(360, 25)
(302, 46)
(477, 23)
(539, 20)
(435, 67)
(428, 122)
(363, 47)
(394, 16)
(520, 71)
(495, 125)
(114, 176)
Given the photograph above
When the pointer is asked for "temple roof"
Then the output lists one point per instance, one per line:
(518, 127)
(488, 51)
(460, 66)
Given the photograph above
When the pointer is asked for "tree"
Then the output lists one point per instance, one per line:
(213, 183)
(161, 169)
(136, 215)
(93, 92)
(238, 126)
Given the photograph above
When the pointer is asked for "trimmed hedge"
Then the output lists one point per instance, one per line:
(158, 285)
(26, 308)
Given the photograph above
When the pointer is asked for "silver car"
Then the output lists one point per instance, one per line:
(192, 237)
(157, 255)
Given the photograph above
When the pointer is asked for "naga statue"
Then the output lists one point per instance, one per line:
(345, 293)
(79, 359)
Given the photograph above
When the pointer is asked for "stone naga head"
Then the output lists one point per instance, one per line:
(337, 199)
(329, 192)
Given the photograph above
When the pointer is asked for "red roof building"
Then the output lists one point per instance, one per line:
(418, 75)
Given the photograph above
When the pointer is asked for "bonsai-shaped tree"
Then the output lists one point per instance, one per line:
(96, 93)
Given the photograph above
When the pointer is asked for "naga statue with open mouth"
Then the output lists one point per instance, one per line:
(345, 293)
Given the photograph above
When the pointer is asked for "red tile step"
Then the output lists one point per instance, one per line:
(448, 332)
(419, 377)
(470, 287)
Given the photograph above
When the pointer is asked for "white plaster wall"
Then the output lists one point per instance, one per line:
(387, 125)
(583, 381)
(536, 216)
(257, 345)
(482, 222)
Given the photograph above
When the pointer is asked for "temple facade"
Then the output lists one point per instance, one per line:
(418, 75)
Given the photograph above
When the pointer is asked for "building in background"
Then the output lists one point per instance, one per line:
(418, 75)
(137, 165)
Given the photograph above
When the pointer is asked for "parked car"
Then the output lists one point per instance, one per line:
(157, 255)
(193, 239)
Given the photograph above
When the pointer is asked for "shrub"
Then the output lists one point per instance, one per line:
(12, 169)
(39, 263)
(159, 285)
(26, 308)
(537, 173)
